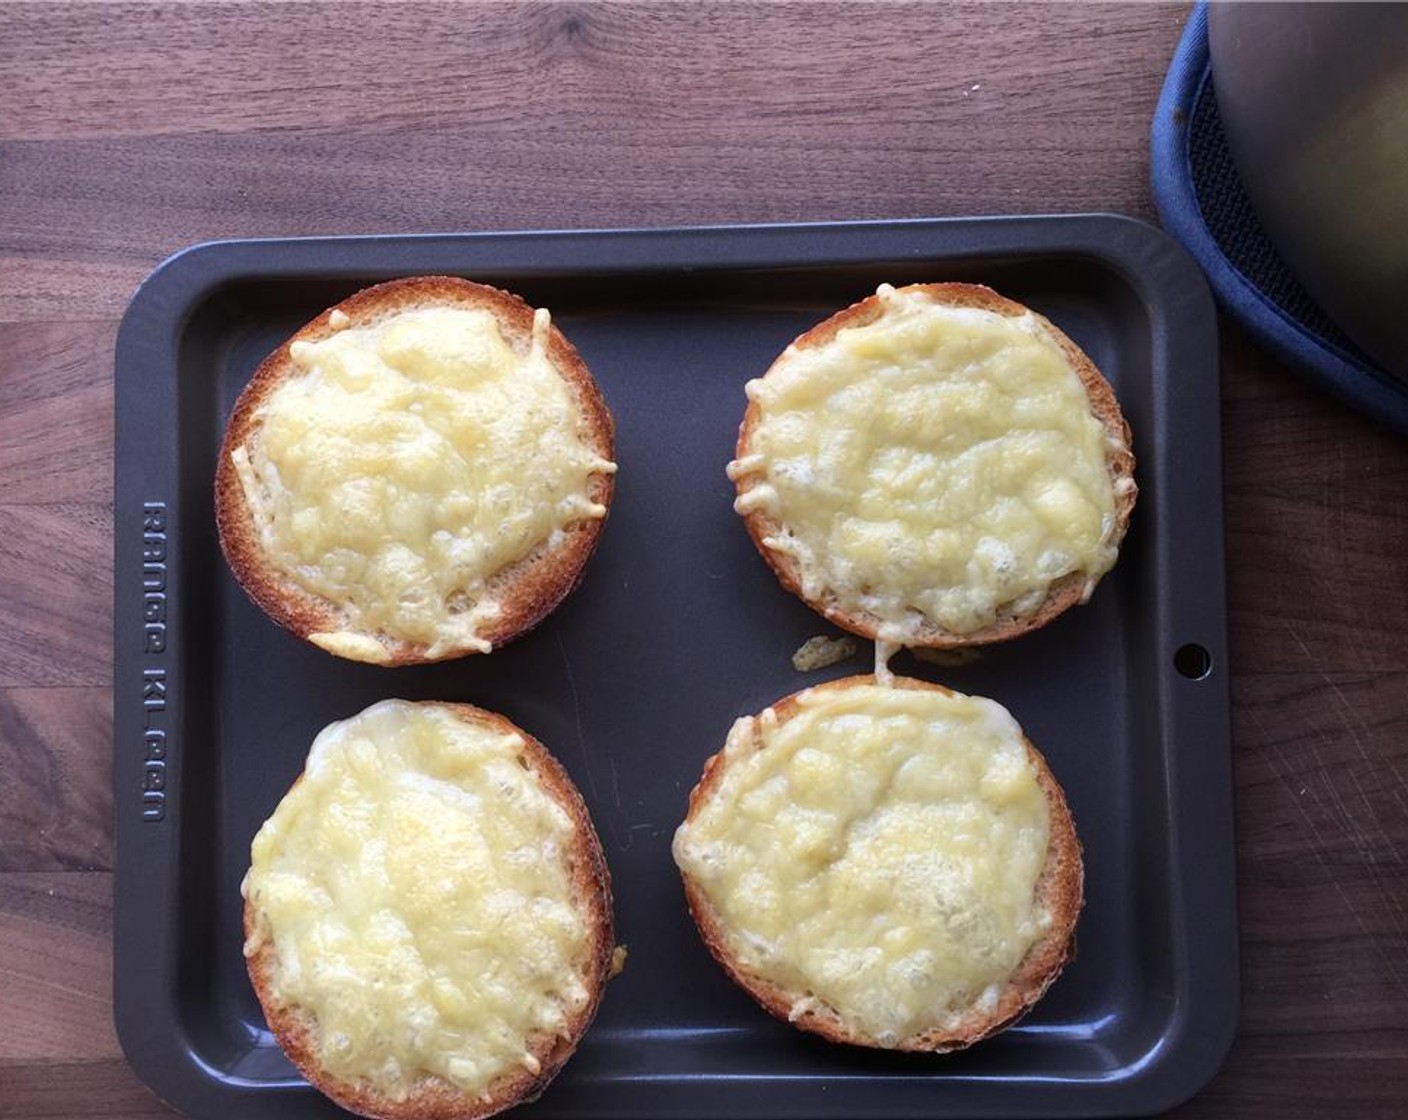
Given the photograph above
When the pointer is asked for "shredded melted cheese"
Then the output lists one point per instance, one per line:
(876, 853)
(406, 464)
(938, 466)
(414, 888)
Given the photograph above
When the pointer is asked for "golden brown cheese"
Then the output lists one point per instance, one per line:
(878, 852)
(406, 465)
(821, 651)
(413, 885)
(935, 466)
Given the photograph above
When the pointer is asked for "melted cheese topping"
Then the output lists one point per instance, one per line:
(935, 467)
(414, 887)
(877, 853)
(406, 464)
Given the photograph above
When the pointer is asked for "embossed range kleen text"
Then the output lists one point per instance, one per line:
(153, 676)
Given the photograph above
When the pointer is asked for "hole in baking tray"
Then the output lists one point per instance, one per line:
(1193, 661)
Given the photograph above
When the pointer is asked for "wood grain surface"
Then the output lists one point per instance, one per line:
(128, 131)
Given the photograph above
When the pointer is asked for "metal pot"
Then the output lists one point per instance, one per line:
(1314, 101)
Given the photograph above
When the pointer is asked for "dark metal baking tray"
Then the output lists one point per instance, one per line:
(679, 628)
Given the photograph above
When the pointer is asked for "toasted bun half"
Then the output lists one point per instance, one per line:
(317, 916)
(767, 522)
(861, 910)
(523, 591)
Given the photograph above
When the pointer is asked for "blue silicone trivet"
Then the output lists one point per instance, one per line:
(1202, 203)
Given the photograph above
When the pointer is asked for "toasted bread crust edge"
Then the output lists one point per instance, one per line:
(531, 588)
(1060, 887)
(434, 1098)
(1063, 593)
